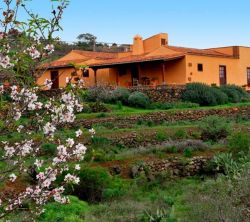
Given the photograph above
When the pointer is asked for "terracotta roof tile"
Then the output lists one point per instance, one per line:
(62, 63)
(135, 59)
(97, 55)
(108, 58)
(205, 52)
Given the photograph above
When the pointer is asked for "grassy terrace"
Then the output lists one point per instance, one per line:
(129, 111)
(108, 197)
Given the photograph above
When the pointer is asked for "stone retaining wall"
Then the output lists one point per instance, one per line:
(162, 94)
(159, 117)
(175, 167)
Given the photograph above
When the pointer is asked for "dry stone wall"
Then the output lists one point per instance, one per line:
(162, 94)
(159, 117)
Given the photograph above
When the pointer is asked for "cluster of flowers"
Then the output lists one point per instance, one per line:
(5, 61)
(51, 113)
(34, 53)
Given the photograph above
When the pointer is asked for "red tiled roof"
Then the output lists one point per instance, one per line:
(137, 58)
(63, 63)
(97, 55)
(205, 52)
(109, 58)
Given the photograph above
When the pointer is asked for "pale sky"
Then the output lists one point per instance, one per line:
(191, 23)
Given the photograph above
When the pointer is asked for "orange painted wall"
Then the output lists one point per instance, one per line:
(236, 68)
(210, 73)
(102, 77)
(175, 72)
(154, 42)
(244, 63)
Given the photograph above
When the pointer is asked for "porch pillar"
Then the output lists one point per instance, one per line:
(117, 78)
(163, 72)
(95, 76)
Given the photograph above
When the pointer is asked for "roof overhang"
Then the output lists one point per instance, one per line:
(135, 61)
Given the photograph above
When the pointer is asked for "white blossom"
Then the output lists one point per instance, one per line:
(49, 129)
(12, 177)
(48, 83)
(78, 133)
(38, 163)
(92, 132)
(5, 61)
(33, 52)
(49, 48)
(77, 167)
(69, 178)
(70, 142)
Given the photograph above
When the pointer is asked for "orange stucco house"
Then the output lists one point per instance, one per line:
(153, 62)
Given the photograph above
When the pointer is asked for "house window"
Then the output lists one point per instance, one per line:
(200, 67)
(85, 73)
(163, 42)
(223, 75)
(248, 76)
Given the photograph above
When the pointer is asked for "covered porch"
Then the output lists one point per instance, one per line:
(144, 73)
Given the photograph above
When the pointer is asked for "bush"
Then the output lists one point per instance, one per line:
(121, 94)
(235, 93)
(187, 152)
(180, 134)
(239, 142)
(138, 99)
(221, 97)
(97, 184)
(206, 95)
(73, 212)
(199, 93)
(214, 128)
(99, 94)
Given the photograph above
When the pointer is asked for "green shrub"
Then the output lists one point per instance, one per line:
(49, 149)
(220, 96)
(73, 212)
(206, 95)
(161, 136)
(138, 99)
(199, 93)
(97, 184)
(121, 94)
(239, 142)
(180, 134)
(214, 128)
(235, 93)
(187, 152)
(99, 94)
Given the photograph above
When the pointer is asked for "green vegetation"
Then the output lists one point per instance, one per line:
(117, 183)
(138, 99)
(74, 211)
(206, 95)
(214, 128)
